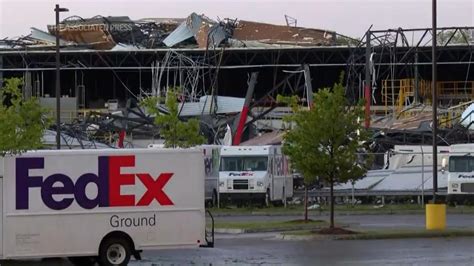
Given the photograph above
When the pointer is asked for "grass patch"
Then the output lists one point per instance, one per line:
(339, 209)
(269, 225)
(390, 234)
(256, 209)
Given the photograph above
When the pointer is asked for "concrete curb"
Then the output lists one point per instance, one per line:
(290, 237)
(264, 230)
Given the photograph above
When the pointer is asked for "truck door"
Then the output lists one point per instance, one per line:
(272, 175)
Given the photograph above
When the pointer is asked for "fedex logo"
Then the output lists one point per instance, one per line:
(108, 180)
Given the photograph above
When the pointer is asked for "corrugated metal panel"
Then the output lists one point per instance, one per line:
(278, 34)
(210, 35)
(467, 117)
(185, 30)
(49, 140)
(205, 31)
(45, 37)
(225, 105)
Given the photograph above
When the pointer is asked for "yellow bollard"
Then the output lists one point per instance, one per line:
(435, 216)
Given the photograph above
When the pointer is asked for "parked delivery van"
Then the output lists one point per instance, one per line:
(105, 204)
(255, 172)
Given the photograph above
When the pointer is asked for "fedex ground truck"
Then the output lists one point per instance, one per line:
(211, 168)
(255, 172)
(101, 204)
(460, 168)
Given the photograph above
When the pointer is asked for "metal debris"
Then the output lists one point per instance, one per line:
(195, 31)
(277, 34)
(206, 32)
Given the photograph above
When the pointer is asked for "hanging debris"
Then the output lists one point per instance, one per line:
(195, 31)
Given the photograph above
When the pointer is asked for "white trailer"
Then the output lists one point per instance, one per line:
(255, 172)
(460, 168)
(105, 204)
(211, 167)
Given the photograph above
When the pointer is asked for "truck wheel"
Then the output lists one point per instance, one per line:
(114, 251)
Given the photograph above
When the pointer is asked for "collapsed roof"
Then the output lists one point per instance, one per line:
(195, 31)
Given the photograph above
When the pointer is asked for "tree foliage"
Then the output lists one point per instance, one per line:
(453, 37)
(22, 122)
(175, 132)
(325, 140)
(345, 40)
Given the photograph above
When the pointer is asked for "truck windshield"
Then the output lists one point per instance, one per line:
(461, 164)
(244, 163)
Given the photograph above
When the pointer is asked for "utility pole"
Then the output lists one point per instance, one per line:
(57, 10)
(367, 87)
(435, 105)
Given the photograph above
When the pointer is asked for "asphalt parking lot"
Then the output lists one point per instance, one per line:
(264, 250)
(267, 249)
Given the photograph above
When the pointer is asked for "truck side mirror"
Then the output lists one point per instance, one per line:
(444, 164)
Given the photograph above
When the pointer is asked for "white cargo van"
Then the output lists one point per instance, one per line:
(460, 167)
(255, 172)
(105, 204)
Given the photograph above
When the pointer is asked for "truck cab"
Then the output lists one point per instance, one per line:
(460, 167)
(254, 173)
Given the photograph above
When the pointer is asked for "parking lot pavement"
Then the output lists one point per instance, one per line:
(263, 249)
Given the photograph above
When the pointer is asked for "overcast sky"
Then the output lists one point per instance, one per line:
(349, 17)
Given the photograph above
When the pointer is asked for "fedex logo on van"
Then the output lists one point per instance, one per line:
(58, 191)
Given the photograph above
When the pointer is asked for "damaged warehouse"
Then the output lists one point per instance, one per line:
(116, 61)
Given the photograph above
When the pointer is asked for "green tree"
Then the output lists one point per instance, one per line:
(175, 132)
(22, 122)
(325, 140)
(347, 41)
(453, 36)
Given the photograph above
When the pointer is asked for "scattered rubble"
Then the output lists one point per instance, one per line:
(194, 31)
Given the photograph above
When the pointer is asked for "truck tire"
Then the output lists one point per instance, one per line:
(114, 251)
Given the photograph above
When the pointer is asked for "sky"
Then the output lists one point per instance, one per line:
(348, 17)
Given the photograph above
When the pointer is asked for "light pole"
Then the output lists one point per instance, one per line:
(435, 104)
(57, 10)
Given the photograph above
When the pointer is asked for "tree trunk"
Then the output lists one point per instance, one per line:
(306, 203)
(331, 225)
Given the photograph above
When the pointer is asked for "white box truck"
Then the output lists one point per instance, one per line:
(460, 167)
(104, 204)
(211, 154)
(255, 172)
